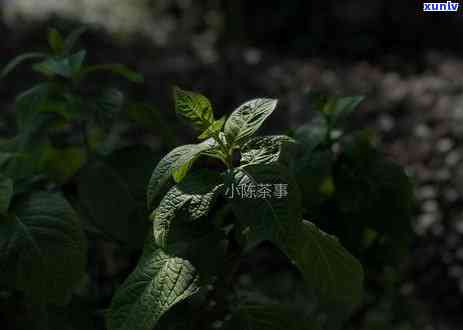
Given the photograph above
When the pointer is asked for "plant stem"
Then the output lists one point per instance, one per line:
(228, 161)
(221, 290)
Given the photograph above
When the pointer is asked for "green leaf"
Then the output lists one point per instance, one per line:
(108, 103)
(373, 190)
(25, 185)
(6, 193)
(28, 146)
(5, 157)
(159, 282)
(213, 129)
(27, 105)
(76, 61)
(55, 40)
(263, 149)
(338, 108)
(175, 164)
(73, 37)
(63, 163)
(43, 248)
(192, 240)
(112, 194)
(117, 69)
(134, 166)
(194, 107)
(265, 216)
(181, 167)
(195, 195)
(108, 201)
(271, 316)
(313, 134)
(246, 120)
(327, 267)
(66, 67)
(18, 60)
(346, 105)
(60, 107)
(313, 172)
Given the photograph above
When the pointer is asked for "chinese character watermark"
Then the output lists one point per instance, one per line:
(257, 191)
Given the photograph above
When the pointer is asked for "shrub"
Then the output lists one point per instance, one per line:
(210, 205)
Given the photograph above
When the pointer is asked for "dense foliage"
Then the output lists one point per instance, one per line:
(70, 174)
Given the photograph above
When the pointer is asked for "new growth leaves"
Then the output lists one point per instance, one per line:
(180, 195)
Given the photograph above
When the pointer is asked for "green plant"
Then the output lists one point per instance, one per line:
(191, 209)
(65, 150)
(346, 177)
(71, 179)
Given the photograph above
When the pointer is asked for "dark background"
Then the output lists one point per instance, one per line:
(407, 63)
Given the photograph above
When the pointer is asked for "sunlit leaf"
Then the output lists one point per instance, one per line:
(175, 165)
(195, 194)
(159, 282)
(194, 107)
(246, 120)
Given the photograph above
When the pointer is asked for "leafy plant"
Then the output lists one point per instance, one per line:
(182, 194)
(59, 147)
(70, 180)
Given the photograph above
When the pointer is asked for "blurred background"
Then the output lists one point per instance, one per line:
(408, 64)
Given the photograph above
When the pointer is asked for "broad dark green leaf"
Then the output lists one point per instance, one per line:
(27, 105)
(27, 150)
(43, 248)
(113, 192)
(313, 172)
(176, 165)
(373, 190)
(193, 241)
(246, 120)
(18, 60)
(159, 282)
(266, 202)
(328, 268)
(107, 199)
(6, 193)
(194, 107)
(195, 195)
